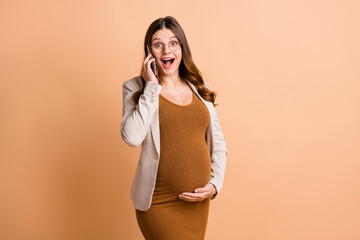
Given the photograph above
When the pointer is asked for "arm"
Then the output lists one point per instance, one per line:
(219, 156)
(137, 118)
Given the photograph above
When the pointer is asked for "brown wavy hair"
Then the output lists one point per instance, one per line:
(187, 68)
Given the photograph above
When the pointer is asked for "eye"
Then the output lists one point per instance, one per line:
(174, 43)
(157, 45)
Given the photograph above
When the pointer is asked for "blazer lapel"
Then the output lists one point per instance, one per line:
(203, 100)
(155, 129)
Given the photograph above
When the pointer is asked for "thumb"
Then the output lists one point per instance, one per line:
(198, 190)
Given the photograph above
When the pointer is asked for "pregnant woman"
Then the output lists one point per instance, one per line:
(170, 111)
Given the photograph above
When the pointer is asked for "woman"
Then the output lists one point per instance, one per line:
(183, 152)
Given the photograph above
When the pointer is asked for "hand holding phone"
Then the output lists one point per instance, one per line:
(153, 64)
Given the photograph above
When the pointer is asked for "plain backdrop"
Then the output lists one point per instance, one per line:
(287, 77)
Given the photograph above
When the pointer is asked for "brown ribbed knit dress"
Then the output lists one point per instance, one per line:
(184, 165)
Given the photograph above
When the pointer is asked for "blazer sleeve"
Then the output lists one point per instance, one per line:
(219, 155)
(136, 119)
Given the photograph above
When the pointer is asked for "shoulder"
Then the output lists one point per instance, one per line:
(208, 86)
(134, 83)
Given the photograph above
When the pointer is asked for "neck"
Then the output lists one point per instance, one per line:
(172, 81)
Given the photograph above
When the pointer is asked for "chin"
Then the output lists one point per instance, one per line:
(168, 72)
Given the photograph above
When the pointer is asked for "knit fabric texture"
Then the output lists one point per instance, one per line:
(184, 165)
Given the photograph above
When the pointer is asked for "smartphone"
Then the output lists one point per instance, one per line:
(153, 64)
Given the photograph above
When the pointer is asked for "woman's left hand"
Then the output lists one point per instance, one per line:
(199, 194)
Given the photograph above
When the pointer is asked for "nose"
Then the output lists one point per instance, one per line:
(166, 48)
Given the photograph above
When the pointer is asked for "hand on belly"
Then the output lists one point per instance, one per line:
(199, 193)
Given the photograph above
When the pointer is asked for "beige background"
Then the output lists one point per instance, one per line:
(288, 81)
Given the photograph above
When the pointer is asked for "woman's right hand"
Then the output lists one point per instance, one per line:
(147, 72)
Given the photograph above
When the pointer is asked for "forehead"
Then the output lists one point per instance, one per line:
(163, 35)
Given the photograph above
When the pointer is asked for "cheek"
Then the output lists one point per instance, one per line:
(157, 58)
(158, 61)
(179, 57)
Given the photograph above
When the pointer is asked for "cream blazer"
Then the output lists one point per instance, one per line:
(140, 125)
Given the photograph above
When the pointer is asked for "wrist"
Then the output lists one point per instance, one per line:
(214, 189)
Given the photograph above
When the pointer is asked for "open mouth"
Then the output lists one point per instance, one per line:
(168, 62)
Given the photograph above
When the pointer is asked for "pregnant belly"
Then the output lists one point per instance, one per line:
(183, 169)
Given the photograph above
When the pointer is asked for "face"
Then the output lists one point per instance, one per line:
(161, 43)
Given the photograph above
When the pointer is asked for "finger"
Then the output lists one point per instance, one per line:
(194, 199)
(199, 190)
(194, 196)
(146, 68)
(191, 199)
(147, 60)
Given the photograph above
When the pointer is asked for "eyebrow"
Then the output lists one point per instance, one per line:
(160, 39)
